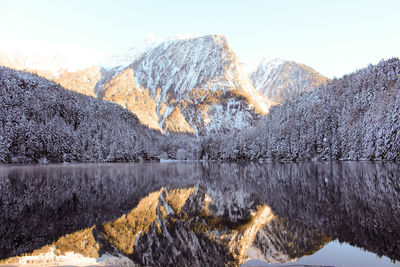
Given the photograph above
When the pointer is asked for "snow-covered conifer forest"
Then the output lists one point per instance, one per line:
(40, 121)
(351, 118)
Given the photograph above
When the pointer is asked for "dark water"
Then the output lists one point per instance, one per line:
(333, 214)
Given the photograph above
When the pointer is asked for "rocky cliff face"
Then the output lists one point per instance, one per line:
(194, 85)
(182, 84)
(281, 80)
(81, 81)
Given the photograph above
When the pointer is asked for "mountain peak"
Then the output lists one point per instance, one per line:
(192, 75)
(281, 80)
(220, 38)
(274, 61)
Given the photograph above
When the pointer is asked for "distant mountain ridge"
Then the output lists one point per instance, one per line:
(180, 84)
(47, 60)
(192, 85)
(282, 80)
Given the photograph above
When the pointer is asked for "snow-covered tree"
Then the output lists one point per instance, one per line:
(41, 121)
(354, 117)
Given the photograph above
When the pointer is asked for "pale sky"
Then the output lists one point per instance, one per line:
(333, 37)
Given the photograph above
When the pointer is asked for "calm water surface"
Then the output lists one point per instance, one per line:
(208, 214)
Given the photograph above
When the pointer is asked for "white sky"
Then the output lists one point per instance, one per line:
(333, 37)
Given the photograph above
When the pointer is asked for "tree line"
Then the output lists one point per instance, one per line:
(355, 117)
(40, 121)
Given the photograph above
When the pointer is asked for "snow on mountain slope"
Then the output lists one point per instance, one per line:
(114, 64)
(179, 84)
(197, 83)
(281, 80)
(75, 68)
(122, 60)
(122, 90)
(181, 65)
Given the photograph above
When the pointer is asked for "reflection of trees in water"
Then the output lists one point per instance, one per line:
(355, 202)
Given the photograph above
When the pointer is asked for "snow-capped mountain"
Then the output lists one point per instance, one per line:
(179, 84)
(124, 59)
(281, 80)
(186, 84)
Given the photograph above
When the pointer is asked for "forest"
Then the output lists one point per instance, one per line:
(355, 117)
(42, 122)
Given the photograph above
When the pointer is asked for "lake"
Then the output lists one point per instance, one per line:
(201, 214)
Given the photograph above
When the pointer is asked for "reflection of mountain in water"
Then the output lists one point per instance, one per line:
(189, 226)
(282, 241)
(200, 214)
